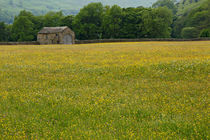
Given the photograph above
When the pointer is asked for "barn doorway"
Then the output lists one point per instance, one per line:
(67, 39)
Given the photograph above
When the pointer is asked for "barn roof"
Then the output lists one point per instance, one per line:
(51, 30)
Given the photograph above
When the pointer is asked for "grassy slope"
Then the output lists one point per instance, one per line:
(105, 91)
(69, 4)
(13, 7)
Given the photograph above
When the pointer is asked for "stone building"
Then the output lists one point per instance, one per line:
(56, 35)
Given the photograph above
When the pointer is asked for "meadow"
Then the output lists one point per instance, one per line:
(144, 90)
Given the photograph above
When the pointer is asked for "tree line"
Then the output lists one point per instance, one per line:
(96, 21)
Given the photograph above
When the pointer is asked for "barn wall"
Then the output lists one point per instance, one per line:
(48, 39)
(66, 32)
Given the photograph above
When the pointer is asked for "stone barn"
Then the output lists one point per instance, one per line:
(56, 35)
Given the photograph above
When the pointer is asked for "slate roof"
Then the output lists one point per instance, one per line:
(51, 30)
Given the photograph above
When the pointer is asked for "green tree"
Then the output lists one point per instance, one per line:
(170, 4)
(68, 21)
(87, 23)
(157, 23)
(26, 26)
(132, 23)
(112, 22)
(205, 33)
(3, 32)
(53, 19)
(27, 14)
(196, 17)
(22, 29)
(200, 19)
(38, 22)
(129, 23)
(190, 32)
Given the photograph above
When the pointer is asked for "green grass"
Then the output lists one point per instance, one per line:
(148, 90)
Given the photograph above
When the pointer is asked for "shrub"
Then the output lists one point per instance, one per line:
(205, 33)
(189, 32)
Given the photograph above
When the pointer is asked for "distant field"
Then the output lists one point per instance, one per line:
(148, 90)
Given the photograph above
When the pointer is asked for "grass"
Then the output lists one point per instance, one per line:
(147, 90)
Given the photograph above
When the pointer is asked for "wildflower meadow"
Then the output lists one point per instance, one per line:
(138, 90)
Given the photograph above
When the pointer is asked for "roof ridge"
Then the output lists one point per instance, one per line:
(46, 30)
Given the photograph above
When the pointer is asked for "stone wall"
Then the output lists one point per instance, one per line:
(108, 41)
(137, 40)
(66, 32)
(20, 43)
(44, 39)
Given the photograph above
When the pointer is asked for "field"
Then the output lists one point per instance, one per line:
(145, 90)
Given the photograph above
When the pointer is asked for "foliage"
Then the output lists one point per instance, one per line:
(132, 23)
(185, 6)
(22, 29)
(53, 19)
(4, 32)
(96, 21)
(112, 22)
(115, 22)
(88, 21)
(170, 4)
(198, 17)
(147, 90)
(26, 25)
(68, 21)
(190, 32)
(205, 33)
(11, 8)
(157, 23)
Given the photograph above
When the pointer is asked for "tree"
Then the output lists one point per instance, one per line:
(26, 26)
(53, 19)
(26, 14)
(38, 22)
(190, 32)
(22, 29)
(129, 23)
(68, 21)
(112, 22)
(157, 22)
(205, 33)
(3, 32)
(8, 32)
(170, 4)
(198, 17)
(132, 23)
(88, 21)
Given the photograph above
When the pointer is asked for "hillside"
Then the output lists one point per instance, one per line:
(10, 8)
